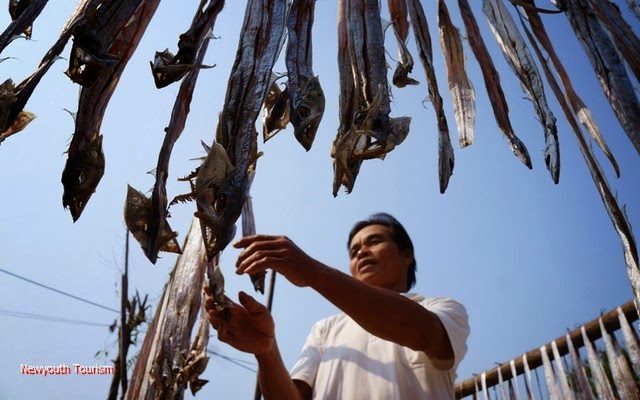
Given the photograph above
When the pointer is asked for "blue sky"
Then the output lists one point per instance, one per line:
(529, 259)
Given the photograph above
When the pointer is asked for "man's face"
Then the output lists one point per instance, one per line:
(376, 259)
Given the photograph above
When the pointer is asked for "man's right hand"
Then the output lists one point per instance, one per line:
(247, 326)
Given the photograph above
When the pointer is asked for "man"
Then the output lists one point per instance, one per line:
(387, 344)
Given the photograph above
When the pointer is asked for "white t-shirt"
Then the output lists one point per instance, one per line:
(340, 360)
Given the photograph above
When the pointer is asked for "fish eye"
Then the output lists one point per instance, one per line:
(81, 178)
(220, 203)
(304, 112)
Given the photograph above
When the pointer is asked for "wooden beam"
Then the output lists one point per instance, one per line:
(534, 357)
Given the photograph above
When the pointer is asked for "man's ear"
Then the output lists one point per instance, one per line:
(408, 255)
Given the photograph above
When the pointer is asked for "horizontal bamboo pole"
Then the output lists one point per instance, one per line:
(534, 357)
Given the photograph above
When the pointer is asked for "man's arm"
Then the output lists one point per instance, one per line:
(382, 312)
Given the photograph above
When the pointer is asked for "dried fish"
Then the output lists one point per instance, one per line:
(137, 212)
(196, 362)
(624, 382)
(400, 23)
(616, 213)
(23, 14)
(166, 67)
(118, 26)
(224, 178)
(249, 228)
(622, 35)
(630, 340)
(601, 383)
(423, 42)
(635, 7)
(157, 224)
(521, 62)
(276, 111)
(167, 360)
(345, 166)
(607, 65)
(13, 118)
(492, 83)
(552, 385)
(562, 376)
(462, 93)
(306, 96)
(585, 389)
(577, 105)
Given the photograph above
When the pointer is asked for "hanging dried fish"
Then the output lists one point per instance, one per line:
(607, 65)
(578, 368)
(622, 35)
(522, 64)
(501, 388)
(625, 384)
(423, 42)
(492, 83)
(196, 362)
(167, 360)
(630, 340)
(136, 216)
(579, 108)
(166, 67)
(562, 375)
(400, 23)
(220, 195)
(516, 389)
(616, 213)
(603, 388)
(249, 228)
(13, 118)
(23, 14)
(462, 93)
(552, 386)
(118, 26)
(157, 225)
(306, 95)
(276, 110)
(345, 166)
(527, 377)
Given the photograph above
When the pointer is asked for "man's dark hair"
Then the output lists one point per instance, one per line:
(398, 234)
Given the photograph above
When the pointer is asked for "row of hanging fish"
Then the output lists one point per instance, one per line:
(605, 372)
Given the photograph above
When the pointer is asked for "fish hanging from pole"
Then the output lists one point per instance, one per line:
(607, 65)
(521, 62)
(492, 83)
(483, 380)
(630, 341)
(156, 234)
(306, 98)
(577, 105)
(527, 378)
(601, 383)
(399, 21)
(446, 160)
(103, 45)
(621, 33)
(619, 369)
(501, 388)
(23, 13)
(583, 383)
(167, 68)
(248, 229)
(13, 99)
(514, 378)
(462, 93)
(562, 375)
(168, 360)
(549, 374)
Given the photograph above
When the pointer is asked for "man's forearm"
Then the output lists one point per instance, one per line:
(383, 312)
(274, 378)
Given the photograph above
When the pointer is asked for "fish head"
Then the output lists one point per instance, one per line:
(346, 165)
(136, 215)
(81, 175)
(218, 199)
(85, 65)
(276, 111)
(7, 98)
(306, 112)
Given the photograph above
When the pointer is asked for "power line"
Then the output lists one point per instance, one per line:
(59, 291)
(235, 361)
(49, 318)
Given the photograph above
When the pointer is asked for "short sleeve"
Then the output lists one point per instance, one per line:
(306, 368)
(454, 317)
